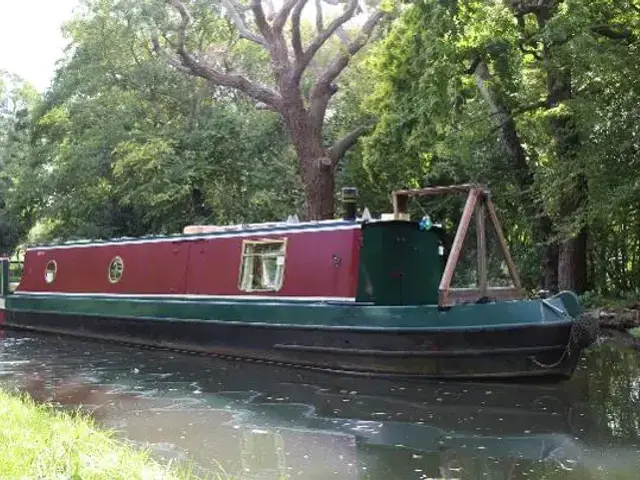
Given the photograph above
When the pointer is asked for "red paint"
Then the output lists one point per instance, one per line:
(322, 264)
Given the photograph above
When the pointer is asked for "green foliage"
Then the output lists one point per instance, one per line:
(125, 145)
(16, 100)
(436, 126)
(593, 299)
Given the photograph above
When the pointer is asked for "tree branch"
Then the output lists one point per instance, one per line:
(171, 61)
(339, 148)
(283, 14)
(185, 20)
(322, 92)
(521, 7)
(193, 66)
(271, 11)
(240, 25)
(322, 37)
(342, 34)
(238, 82)
(260, 19)
(296, 41)
(319, 19)
(363, 7)
(614, 32)
(474, 64)
(341, 60)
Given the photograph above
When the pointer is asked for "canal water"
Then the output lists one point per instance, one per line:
(253, 421)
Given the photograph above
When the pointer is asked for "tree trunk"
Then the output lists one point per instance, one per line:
(550, 267)
(316, 168)
(572, 267)
(572, 254)
(318, 185)
(542, 226)
(550, 255)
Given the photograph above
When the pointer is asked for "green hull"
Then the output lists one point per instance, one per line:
(508, 339)
(300, 314)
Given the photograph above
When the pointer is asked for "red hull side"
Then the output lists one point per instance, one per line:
(208, 266)
(214, 266)
(148, 269)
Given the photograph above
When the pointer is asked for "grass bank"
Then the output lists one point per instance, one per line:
(38, 442)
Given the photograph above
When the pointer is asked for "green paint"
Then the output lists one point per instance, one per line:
(295, 314)
(4, 277)
(399, 264)
(571, 303)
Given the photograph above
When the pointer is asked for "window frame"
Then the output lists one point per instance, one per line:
(55, 271)
(263, 241)
(111, 262)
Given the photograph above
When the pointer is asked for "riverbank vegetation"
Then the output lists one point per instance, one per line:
(39, 442)
(538, 100)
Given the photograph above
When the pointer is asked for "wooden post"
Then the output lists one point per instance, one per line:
(456, 248)
(482, 245)
(400, 206)
(503, 243)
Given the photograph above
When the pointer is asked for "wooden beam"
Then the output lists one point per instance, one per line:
(482, 244)
(458, 241)
(503, 243)
(443, 190)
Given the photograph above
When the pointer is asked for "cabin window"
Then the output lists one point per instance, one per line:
(262, 268)
(116, 267)
(50, 271)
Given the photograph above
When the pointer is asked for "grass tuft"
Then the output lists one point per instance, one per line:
(38, 442)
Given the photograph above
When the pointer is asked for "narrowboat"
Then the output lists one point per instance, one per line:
(354, 295)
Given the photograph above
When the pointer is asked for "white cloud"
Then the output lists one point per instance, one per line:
(31, 38)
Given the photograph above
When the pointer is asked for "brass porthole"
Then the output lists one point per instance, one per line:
(116, 268)
(50, 271)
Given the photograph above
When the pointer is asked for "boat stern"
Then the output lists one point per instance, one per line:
(584, 329)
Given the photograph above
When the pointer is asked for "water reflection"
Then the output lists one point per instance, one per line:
(259, 421)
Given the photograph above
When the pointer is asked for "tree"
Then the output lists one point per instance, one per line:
(17, 100)
(125, 145)
(291, 63)
(520, 95)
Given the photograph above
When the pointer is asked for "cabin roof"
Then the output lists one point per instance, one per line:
(241, 230)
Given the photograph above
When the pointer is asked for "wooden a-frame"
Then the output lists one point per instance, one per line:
(478, 201)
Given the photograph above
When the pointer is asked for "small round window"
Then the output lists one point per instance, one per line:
(50, 271)
(116, 267)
